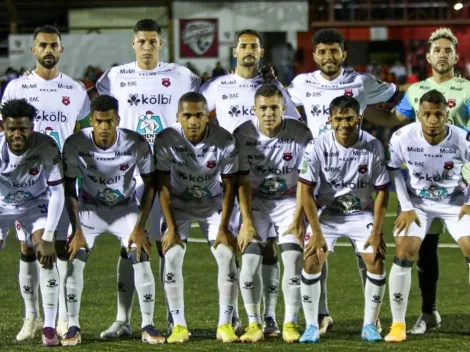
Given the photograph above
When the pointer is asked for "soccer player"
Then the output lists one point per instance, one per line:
(442, 56)
(270, 154)
(231, 97)
(435, 154)
(106, 157)
(148, 91)
(32, 198)
(191, 156)
(315, 90)
(349, 164)
(61, 104)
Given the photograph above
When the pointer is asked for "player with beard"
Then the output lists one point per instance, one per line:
(231, 97)
(442, 56)
(315, 90)
(61, 103)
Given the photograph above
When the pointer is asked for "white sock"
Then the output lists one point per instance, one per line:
(74, 287)
(174, 284)
(145, 287)
(323, 303)
(399, 289)
(270, 274)
(227, 281)
(161, 273)
(310, 290)
(29, 284)
(362, 268)
(251, 286)
(236, 314)
(62, 270)
(373, 293)
(49, 282)
(126, 289)
(292, 261)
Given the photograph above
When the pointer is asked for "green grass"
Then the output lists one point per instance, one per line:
(345, 301)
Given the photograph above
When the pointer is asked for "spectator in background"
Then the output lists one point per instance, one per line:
(218, 70)
(413, 78)
(399, 71)
(205, 77)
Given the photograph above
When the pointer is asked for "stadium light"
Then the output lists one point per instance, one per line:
(458, 6)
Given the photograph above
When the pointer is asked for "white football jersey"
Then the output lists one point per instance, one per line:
(347, 176)
(196, 169)
(272, 163)
(27, 176)
(107, 175)
(435, 171)
(148, 99)
(60, 103)
(233, 98)
(315, 93)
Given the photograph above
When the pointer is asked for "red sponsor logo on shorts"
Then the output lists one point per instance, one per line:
(307, 236)
(17, 226)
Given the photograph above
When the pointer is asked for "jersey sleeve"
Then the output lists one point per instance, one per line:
(376, 90)
(405, 108)
(291, 110)
(53, 164)
(195, 82)
(394, 157)
(380, 176)
(103, 86)
(70, 158)
(162, 155)
(243, 164)
(229, 165)
(304, 143)
(311, 166)
(294, 91)
(208, 90)
(145, 160)
(85, 109)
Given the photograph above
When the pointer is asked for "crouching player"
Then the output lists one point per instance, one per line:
(106, 157)
(191, 157)
(434, 154)
(349, 164)
(270, 154)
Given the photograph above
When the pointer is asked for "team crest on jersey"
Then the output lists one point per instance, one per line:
(166, 82)
(149, 125)
(109, 197)
(211, 164)
(434, 192)
(18, 197)
(287, 156)
(273, 186)
(123, 167)
(362, 169)
(448, 165)
(66, 101)
(49, 131)
(33, 171)
(348, 92)
(451, 103)
(196, 192)
(346, 204)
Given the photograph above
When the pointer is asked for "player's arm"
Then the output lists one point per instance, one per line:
(384, 117)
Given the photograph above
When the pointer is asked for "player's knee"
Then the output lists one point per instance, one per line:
(26, 250)
(464, 243)
(374, 267)
(407, 254)
(223, 255)
(133, 256)
(311, 265)
(174, 257)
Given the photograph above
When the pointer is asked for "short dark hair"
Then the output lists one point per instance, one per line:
(46, 29)
(343, 103)
(250, 32)
(328, 36)
(105, 103)
(268, 90)
(192, 97)
(147, 25)
(17, 108)
(433, 97)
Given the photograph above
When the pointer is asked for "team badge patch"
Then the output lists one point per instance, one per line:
(33, 171)
(166, 82)
(66, 101)
(348, 92)
(451, 103)
(211, 164)
(287, 156)
(362, 169)
(123, 167)
(448, 165)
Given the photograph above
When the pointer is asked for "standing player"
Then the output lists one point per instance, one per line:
(315, 90)
(148, 91)
(192, 156)
(270, 154)
(31, 193)
(106, 157)
(435, 154)
(231, 97)
(442, 56)
(349, 164)
(61, 103)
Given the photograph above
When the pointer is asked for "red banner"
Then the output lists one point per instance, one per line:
(199, 38)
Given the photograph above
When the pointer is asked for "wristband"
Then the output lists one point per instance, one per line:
(48, 236)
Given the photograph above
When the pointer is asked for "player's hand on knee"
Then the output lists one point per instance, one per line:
(316, 245)
(171, 238)
(297, 229)
(465, 210)
(227, 239)
(46, 254)
(404, 220)
(376, 241)
(246, 235)
(139, 238)
(76, 242)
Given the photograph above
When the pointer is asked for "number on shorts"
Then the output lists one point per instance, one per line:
(43, 208)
